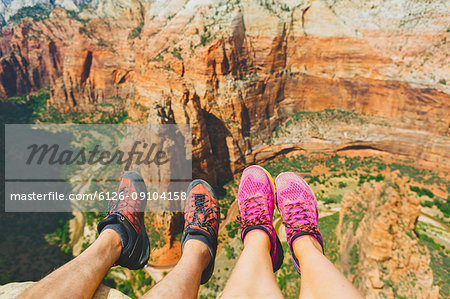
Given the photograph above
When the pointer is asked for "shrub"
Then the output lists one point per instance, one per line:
(443, 206)
(354, 258)
(136, 32)
(205, 38)
(425, 238)
(365, 178)
(342, 185)
(332, 198)
(421, 191)
(177, 53)
(427, 203)
(229, 252)
(36, 12)
(232, 229)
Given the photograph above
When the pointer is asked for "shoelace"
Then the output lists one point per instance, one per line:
(199, 205)
(253, 203)
(296, 220)
(120, 205)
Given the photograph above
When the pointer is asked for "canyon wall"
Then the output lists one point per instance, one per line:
(235, 70)
(380, 252)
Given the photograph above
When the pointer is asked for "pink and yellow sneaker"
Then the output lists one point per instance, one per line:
(298, 207)
(256, 200)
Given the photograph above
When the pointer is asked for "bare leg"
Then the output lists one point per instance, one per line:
(80, 277)
(184, 280)
(253, 275)
(320, 278)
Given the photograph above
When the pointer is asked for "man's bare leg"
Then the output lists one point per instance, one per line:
(184, 280)
(253, 275)
(320, 278)
(199, 244)
(80, 277)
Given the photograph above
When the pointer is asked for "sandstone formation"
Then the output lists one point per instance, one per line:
(237, 69)
(379, 250)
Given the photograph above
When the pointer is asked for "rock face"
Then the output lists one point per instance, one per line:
(32, 54)
(9, 8)
(379, 250)
(14, 289)
(236, 70)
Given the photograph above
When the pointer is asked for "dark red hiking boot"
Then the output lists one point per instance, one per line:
(126, 217)
(202, 216)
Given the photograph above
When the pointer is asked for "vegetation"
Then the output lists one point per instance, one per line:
(136, 32)
(440, 264)
(229, 252)
(330, 198)
(354, 259)
(227, 197)
(443, 205)
(314, 119)
(205, 38)
(232, 229)
(55, 249)
(366, 178)
(421, 191)
(37, 110)
(427, 203)
(61, 236)
(134, 287)
(156, 234)
(37, 13)
(342, 185)
(353, 218)
(176, 52)
(327, 227)
(76, 16)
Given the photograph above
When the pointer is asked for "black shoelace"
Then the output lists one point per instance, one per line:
(199, 202)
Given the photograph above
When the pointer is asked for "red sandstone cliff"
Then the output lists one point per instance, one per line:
(235, 71)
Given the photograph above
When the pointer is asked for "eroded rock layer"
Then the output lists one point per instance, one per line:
(379, 249)
(235, 70)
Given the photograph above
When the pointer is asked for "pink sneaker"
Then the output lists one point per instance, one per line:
(256, 203)
(298, 207)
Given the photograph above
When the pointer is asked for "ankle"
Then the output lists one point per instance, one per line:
(108, 243)
(257, 238)
(195, 249)
(304, 244)
(113, 238)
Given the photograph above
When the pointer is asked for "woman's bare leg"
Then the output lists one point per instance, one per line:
(184, 280)
(80, 277)
(253, 275)
(320, 278)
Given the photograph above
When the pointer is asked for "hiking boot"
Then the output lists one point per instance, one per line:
(256, 200)
(202, 216)
(126, 217)
(298, 207)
